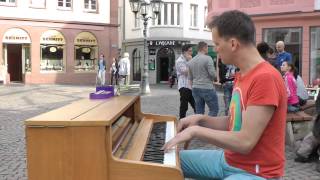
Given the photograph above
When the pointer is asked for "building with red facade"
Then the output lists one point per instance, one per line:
(296, 22)
(56, 41)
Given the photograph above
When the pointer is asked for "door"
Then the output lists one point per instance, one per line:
(164, 69)
(14, 60)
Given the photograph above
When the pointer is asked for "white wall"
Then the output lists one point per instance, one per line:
(184, 31)
(24, 10)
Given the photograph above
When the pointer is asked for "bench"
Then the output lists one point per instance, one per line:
(299, 123)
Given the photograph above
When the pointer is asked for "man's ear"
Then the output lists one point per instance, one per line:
(234, 44)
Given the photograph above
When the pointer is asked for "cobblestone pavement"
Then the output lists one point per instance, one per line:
(20, 102)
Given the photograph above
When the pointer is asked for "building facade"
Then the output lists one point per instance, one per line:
(179, 22)
(56, 41)
(295, 22)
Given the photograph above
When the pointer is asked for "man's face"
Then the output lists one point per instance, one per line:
(221, 47)
(188, 53)
(280, 47)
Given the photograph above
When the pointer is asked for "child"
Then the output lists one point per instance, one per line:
(291, 84)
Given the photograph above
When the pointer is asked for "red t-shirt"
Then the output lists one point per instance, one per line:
(262, 85)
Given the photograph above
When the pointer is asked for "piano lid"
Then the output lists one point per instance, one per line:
(85, 112)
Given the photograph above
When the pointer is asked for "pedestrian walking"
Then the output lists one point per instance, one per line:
(201, 76)
(124, 69)
(101, 75)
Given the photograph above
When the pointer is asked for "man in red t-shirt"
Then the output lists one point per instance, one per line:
(253, 135)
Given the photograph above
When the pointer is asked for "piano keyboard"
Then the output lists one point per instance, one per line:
(161, 133)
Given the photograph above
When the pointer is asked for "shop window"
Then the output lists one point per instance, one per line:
(52, 49)
(314, 53)
(90, 5)
(136, 58)
(292, 38)
(86, 52)
(64, 4)
(86, 58)
(52, 57)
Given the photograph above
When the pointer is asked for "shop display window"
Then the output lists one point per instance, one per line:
(52, 57)
(86, 58)
(314, 54)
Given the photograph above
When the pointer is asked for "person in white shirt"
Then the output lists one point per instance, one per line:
(101, 70)
(124, 68)
(184, 86)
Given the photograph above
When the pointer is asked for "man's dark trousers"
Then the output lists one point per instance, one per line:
(185, 98)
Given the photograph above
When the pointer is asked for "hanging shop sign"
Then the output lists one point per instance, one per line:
(16, 35)
(52, 37)
(85, 38)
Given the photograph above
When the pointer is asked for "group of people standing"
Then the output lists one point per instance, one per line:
(119, 70)
(195, 81)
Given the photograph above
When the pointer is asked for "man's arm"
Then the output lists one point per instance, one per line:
(254, 121)
(181, 68)
(211, 70)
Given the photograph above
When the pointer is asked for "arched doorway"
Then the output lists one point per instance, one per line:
(165, 63)
(16, 43)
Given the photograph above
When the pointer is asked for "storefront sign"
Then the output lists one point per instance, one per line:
(162, 43)
(85, 38)
(16, 35)
(52, 37)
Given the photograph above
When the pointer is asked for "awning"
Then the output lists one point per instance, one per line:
(16, 36)
(52, 37)
(86, 39)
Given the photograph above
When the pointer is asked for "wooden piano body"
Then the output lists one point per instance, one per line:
(77, 142)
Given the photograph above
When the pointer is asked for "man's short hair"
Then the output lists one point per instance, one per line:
(234, 24)
(263, 48)
(202, 45)
(186, 47)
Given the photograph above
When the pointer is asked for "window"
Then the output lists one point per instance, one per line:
(136, 65)
(64, 4)
(193, 15)
(314, 53)
(292, 40)
(8, 2)
(90, 5)
(86, 52)
(38, 3)
(169, 15)
(137, 20)
(52, 51)
(205, 17)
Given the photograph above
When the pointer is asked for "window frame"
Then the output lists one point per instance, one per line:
(310, 53)
(89, 10)
(8, 3)
(64, 7)
(194, 16)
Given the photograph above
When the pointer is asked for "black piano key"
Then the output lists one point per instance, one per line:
(153, 152)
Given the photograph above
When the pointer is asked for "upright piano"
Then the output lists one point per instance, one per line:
(107, 139)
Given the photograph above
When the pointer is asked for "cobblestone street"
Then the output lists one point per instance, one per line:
(20, 102)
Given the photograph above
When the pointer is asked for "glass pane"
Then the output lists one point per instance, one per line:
(27, 59)
(172, 14)
(60, 4)
(85, 58)
(2, 0)
(291, 38)
(165, 14)
(52, 57)
(12, 1)
(68, 4)
(314, 53)
(178, 15)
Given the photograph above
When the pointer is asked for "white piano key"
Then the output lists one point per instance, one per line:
(170, 157)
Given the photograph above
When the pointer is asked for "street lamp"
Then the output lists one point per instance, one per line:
(142, 6)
